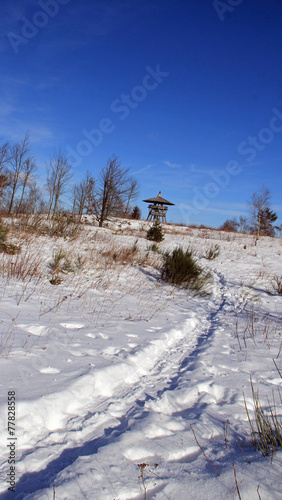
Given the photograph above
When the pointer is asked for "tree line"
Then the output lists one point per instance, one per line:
(110, 194)
(261, 218)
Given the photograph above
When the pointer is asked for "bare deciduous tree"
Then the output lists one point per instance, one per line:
(113, 190)
(58, 178)
(83, 195)
(132, 194)
(243, 224)
(230, 225)
(234, 225)
(5, 152)
(33, 202)
(261, 215)
(17, 164)
(27, 180)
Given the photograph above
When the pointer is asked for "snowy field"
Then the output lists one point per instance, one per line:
(129, 388)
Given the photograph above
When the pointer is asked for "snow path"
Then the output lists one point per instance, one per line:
(142, 372)
(119, 393)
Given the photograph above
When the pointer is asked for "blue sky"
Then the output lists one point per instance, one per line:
(187, 94)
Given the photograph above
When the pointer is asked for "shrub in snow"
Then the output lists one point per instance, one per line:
(134, 247)
(154, 248)
(212, 252)
(4, 245)
(64, 226)
(180, 268)
(277, 284)
(3, 235)
(58, 266)
(155, 232)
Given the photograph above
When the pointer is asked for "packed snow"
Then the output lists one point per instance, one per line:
(127, 387)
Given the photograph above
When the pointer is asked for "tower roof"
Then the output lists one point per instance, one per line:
(158, 199)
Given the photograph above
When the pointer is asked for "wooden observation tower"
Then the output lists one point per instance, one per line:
(157, 208)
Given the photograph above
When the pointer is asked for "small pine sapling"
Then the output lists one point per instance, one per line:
(155, 232)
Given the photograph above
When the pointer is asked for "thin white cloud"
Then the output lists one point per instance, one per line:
(277, 208)
(143, 169)
(6, 109)
(13, 81)
(16, 130)
(199, 169)
(235, 206)
(153, 137)
(172, 165)
(227, 209)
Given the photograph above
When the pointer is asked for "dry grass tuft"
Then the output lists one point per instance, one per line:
(212, 252)
(64, 226)
(253, 325)
(23, 266)
(266, 429)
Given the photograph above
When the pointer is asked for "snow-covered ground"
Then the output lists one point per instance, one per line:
(129, 388)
